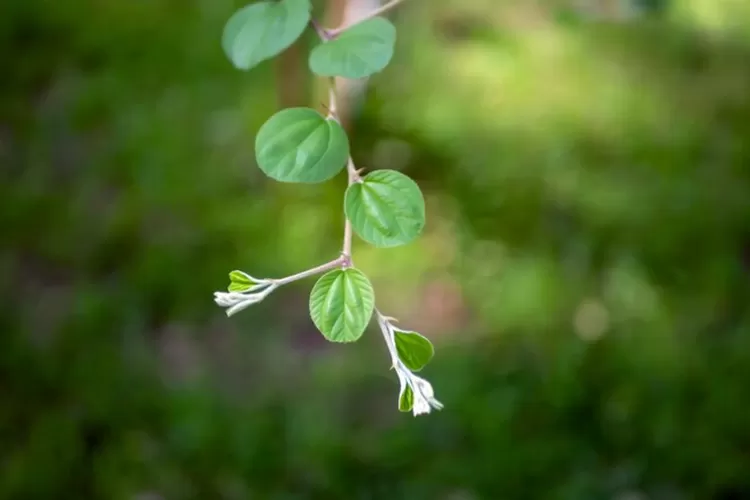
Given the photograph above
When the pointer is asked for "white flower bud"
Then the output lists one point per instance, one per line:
(238, 301)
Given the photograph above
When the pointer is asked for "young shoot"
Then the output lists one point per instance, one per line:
(384, 208)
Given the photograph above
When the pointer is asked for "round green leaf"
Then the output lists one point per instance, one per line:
(300, 145)
(414, 350)
(358, 52)
(386, 209)
(406, 399)
(263, 30)
(341, 304)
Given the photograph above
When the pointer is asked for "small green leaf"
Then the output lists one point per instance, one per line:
(341, 304)
(414, 350)
(386, 209)
(358, 52)
(263, 30)
(241, 282)
(300, 145)
(406, 399)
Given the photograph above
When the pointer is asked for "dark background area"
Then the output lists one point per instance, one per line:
(584, 273)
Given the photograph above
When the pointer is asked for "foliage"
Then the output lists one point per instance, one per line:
(262, 30)
(341, 304)
(385, 208)
(300, 145)
(569, 171)
(357, 52)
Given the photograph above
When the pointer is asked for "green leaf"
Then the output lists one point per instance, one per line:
(341, 304)
(241, 282)
(263, 30)
(300, 145)
(406, 399)
(386, 209)
(358, 52)
(414, 350)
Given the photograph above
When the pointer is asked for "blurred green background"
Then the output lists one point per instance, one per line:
(584, 275)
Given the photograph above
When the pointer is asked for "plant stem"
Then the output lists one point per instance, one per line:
(347, 250)
(354, 177)
(375, 13)
(332, 101)
(328, 266)
(352, 174)
(351, 170)
(322, 33)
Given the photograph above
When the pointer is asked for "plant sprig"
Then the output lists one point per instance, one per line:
(384, 207)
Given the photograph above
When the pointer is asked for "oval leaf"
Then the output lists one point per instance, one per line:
(300, 145)
(386, 209)
(263, 30)
(242, 282)
(406, 399)
(358, 52)
(341, 304)
(414, 350)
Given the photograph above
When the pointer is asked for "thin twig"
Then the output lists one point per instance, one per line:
(332, 101)
(320, 30)
(351, 169)
(347, 250)
(328, 266)
(354, 177)
(375, 13)
(352, 174)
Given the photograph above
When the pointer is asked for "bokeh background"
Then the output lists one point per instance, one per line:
(584, 273)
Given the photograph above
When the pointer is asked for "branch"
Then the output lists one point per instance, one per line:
(312, 272)
(375, 13)
(332, 101)
(351, 169)
(352, 173)
(347, 250)
(320, 30)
